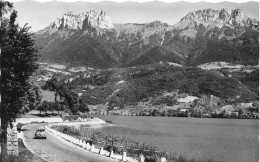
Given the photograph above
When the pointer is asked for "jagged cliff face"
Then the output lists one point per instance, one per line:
(218, 18)
(201, 36)
(211, 21)
(215, 35)
(83, 21)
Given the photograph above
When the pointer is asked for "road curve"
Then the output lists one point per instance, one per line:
(55, 149)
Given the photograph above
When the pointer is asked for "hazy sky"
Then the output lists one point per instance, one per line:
(39, 15)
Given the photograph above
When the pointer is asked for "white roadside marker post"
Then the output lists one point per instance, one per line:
(111, 153)
(88, 146)
(101, 151)
(92, 147)
(141, 158)
(124, 156)
(84, 144)
(163, 159)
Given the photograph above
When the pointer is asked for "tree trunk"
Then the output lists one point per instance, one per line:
(3, 138)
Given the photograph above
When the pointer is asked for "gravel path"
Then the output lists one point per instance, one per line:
(55, 149)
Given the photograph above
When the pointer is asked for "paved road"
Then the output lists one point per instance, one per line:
(55, 149)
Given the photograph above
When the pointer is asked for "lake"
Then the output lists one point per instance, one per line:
(204, 138)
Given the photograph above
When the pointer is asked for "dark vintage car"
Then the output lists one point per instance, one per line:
(40, 133)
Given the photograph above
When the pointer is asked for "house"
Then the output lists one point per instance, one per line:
(228, 108)
(114, 112)
(187, 99)
(215, 112)
(175, 107)
(185, 106)
(234, 114)
(103, 112)
(80, 94)
(206, 115)
(79, 119)
(40, 78)
(184, 110)
(181, 107)
(245, 105)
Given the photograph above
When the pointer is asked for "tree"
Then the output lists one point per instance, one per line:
(45, 106)
(70, 98)
(155, 112)
(18, 63)
(61, 108)
(56, 106)
(83, 107)
(34, 98)
(51, 106)
(40, 108)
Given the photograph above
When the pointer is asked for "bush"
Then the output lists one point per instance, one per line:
(68, 130)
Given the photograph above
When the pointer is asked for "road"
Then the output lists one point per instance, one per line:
(55, 149)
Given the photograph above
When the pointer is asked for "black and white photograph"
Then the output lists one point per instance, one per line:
(129, 81)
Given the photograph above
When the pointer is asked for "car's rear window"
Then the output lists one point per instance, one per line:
(40, 130)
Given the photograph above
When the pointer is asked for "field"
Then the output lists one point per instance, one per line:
(47, 95)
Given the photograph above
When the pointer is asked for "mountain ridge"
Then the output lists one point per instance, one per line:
(191, 41)
(122, 12)
(83, 21)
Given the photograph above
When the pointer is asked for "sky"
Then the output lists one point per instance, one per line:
(39, 14)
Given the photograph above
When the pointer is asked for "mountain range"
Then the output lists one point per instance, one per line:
(208, 35)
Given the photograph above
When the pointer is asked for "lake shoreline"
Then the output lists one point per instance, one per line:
(178, 117)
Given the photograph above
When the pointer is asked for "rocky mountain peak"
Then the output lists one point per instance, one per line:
(87, 20)
(219, 18)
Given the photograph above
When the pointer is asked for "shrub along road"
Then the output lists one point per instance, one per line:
(55, 149)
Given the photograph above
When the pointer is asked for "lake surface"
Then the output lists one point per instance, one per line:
(232, 140)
